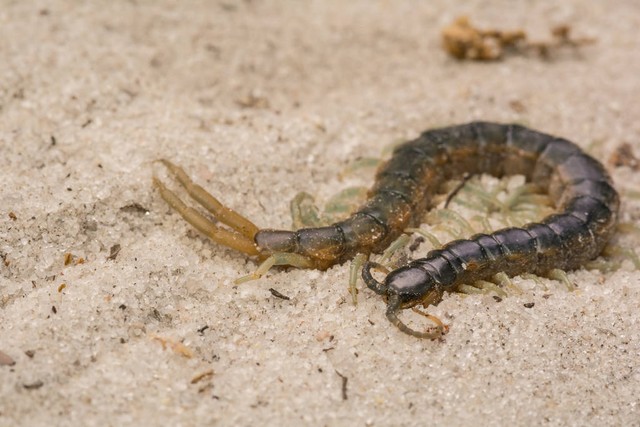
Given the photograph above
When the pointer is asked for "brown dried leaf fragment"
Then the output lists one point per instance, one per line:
(199, 377)
(34, 385)
(114, 251)
(464, 41)
(560, 38)
(253, 100)
(623, 156)
(176, 346)
(70, 258)
(134, 208)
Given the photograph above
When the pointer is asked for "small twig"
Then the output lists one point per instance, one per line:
(278, 294)
(345, 380)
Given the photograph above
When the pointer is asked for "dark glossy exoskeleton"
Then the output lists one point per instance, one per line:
(583, 193)
(586, 201)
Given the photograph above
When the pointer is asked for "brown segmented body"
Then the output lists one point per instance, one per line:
(579, 185)
(582, 190)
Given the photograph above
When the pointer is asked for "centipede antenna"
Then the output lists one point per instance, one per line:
(377, 287)
(394, 306)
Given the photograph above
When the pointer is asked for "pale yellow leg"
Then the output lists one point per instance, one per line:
(304, 212)
(362, 163)
(393, 248)
(241, 237)
(222, 213)
(279, 258)
(487, 286)
(231, 239)
(505, 281)
(342, 204)
(469, 290)
(561, 275)
(626, 253)
(429, 236)
(536, 279)
(354, 272)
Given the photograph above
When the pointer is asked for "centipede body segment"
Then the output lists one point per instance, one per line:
(586, 203)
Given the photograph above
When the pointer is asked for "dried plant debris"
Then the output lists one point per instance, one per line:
(70, 258)
(134, 208)
(6, 360)
(114, 251)
(176, 346)
(204, 375)
(277, 294)
(560, 38)
(623, 156)
(34, 385)
(464, 41)
(253, 100)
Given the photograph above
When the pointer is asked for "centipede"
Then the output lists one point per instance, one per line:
(586, 211)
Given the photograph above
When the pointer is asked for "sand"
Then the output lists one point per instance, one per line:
(260, 100)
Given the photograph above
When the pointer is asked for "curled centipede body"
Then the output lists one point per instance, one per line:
(586, 203)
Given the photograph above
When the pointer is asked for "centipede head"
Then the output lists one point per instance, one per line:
(404, 288)
(409, 285)
(413, 286)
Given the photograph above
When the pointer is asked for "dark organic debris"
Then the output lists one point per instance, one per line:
(278, 294)
(464, 41)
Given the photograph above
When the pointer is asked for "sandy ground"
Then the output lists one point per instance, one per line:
(260, 100)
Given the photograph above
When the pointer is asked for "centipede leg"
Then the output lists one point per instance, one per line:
(447, 217)
(477, 197)
(343, 203)
(388, 253)
(612, 250)
(535, 278)
(363, 163)
(505, 281)
(469, 290)
(229, 238)
(481, 287)
(224, 214)
(354, 272)
(304, 212)
(562, 277)
(278, 258)
(435, 242)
